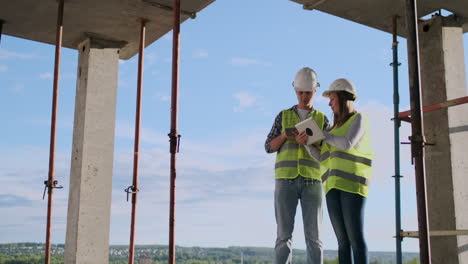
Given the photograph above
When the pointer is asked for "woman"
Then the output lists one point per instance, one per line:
(347, 155)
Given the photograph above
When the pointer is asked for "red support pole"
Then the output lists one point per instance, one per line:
(136, 151)
(458, 101)
(51, 182)
(417, 127)
(174, 137)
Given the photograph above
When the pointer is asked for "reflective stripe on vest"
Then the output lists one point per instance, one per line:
(287, 145)
(293, 159)
(345, 175)
(324, 156)
(293, 163)
(351, 157)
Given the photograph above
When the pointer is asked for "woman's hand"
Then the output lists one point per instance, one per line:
(317, 146)
(302, 138)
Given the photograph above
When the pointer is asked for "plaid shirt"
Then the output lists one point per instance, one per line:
(277, 127)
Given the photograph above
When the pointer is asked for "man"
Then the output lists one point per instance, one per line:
(297, 174)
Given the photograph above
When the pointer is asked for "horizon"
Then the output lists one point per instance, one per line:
(214, 247)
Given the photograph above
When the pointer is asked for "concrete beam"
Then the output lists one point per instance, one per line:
(119, 20)
(379, 13)
(89, 203)
(443, 78)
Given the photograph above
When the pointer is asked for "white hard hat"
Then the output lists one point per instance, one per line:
(341, 85)
(306, 80)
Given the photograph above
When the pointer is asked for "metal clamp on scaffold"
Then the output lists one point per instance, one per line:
(131, 190)
(421, 140)
(414, 141)
(174, 140)
(50, 186)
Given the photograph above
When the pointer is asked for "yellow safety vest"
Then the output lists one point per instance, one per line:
(348, 170)
(292, 159)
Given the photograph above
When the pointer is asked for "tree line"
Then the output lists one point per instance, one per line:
(32, 253)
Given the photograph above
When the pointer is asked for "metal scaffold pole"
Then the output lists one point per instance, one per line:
(1, 29)
(133, 190)
(396, 126)
(51, 183)
(417, 139)
(174, 137)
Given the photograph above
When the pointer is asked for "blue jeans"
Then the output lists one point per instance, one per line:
(287, 194)
(346, 211)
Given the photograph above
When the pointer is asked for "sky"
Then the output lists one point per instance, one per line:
(238, 60)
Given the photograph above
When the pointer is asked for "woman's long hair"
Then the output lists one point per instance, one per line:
(346, 104)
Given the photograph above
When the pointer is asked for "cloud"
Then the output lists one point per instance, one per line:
(46, 76)
(6, 54)
(64, 76)
(68, 76)
(221, 186)
(126, 130)
(18, 88)
(209, 179)
(242, 61)
(9, 200)
(3, 68)
(244, 100)
(386, 55)
(382, 133)
(122, 82)
(151, 58)
(201, 53)
(162, 97)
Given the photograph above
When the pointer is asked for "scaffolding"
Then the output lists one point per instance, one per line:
(414, 116)
(133, 189)
(51, 183)
(396, 128)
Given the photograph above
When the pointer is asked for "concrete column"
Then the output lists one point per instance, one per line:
(89, 204)
(443, 78)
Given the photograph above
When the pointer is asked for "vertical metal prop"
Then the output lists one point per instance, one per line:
(174, 137)
(417, 139)
(1, 29)
(51, 182)
(136, 151)
(396, 126)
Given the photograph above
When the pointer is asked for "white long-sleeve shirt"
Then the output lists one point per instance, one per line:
(353, 136)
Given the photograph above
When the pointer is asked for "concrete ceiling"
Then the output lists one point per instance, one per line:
(117, 20)
(378, 13)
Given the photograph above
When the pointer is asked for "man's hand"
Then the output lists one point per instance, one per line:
(302, 138)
